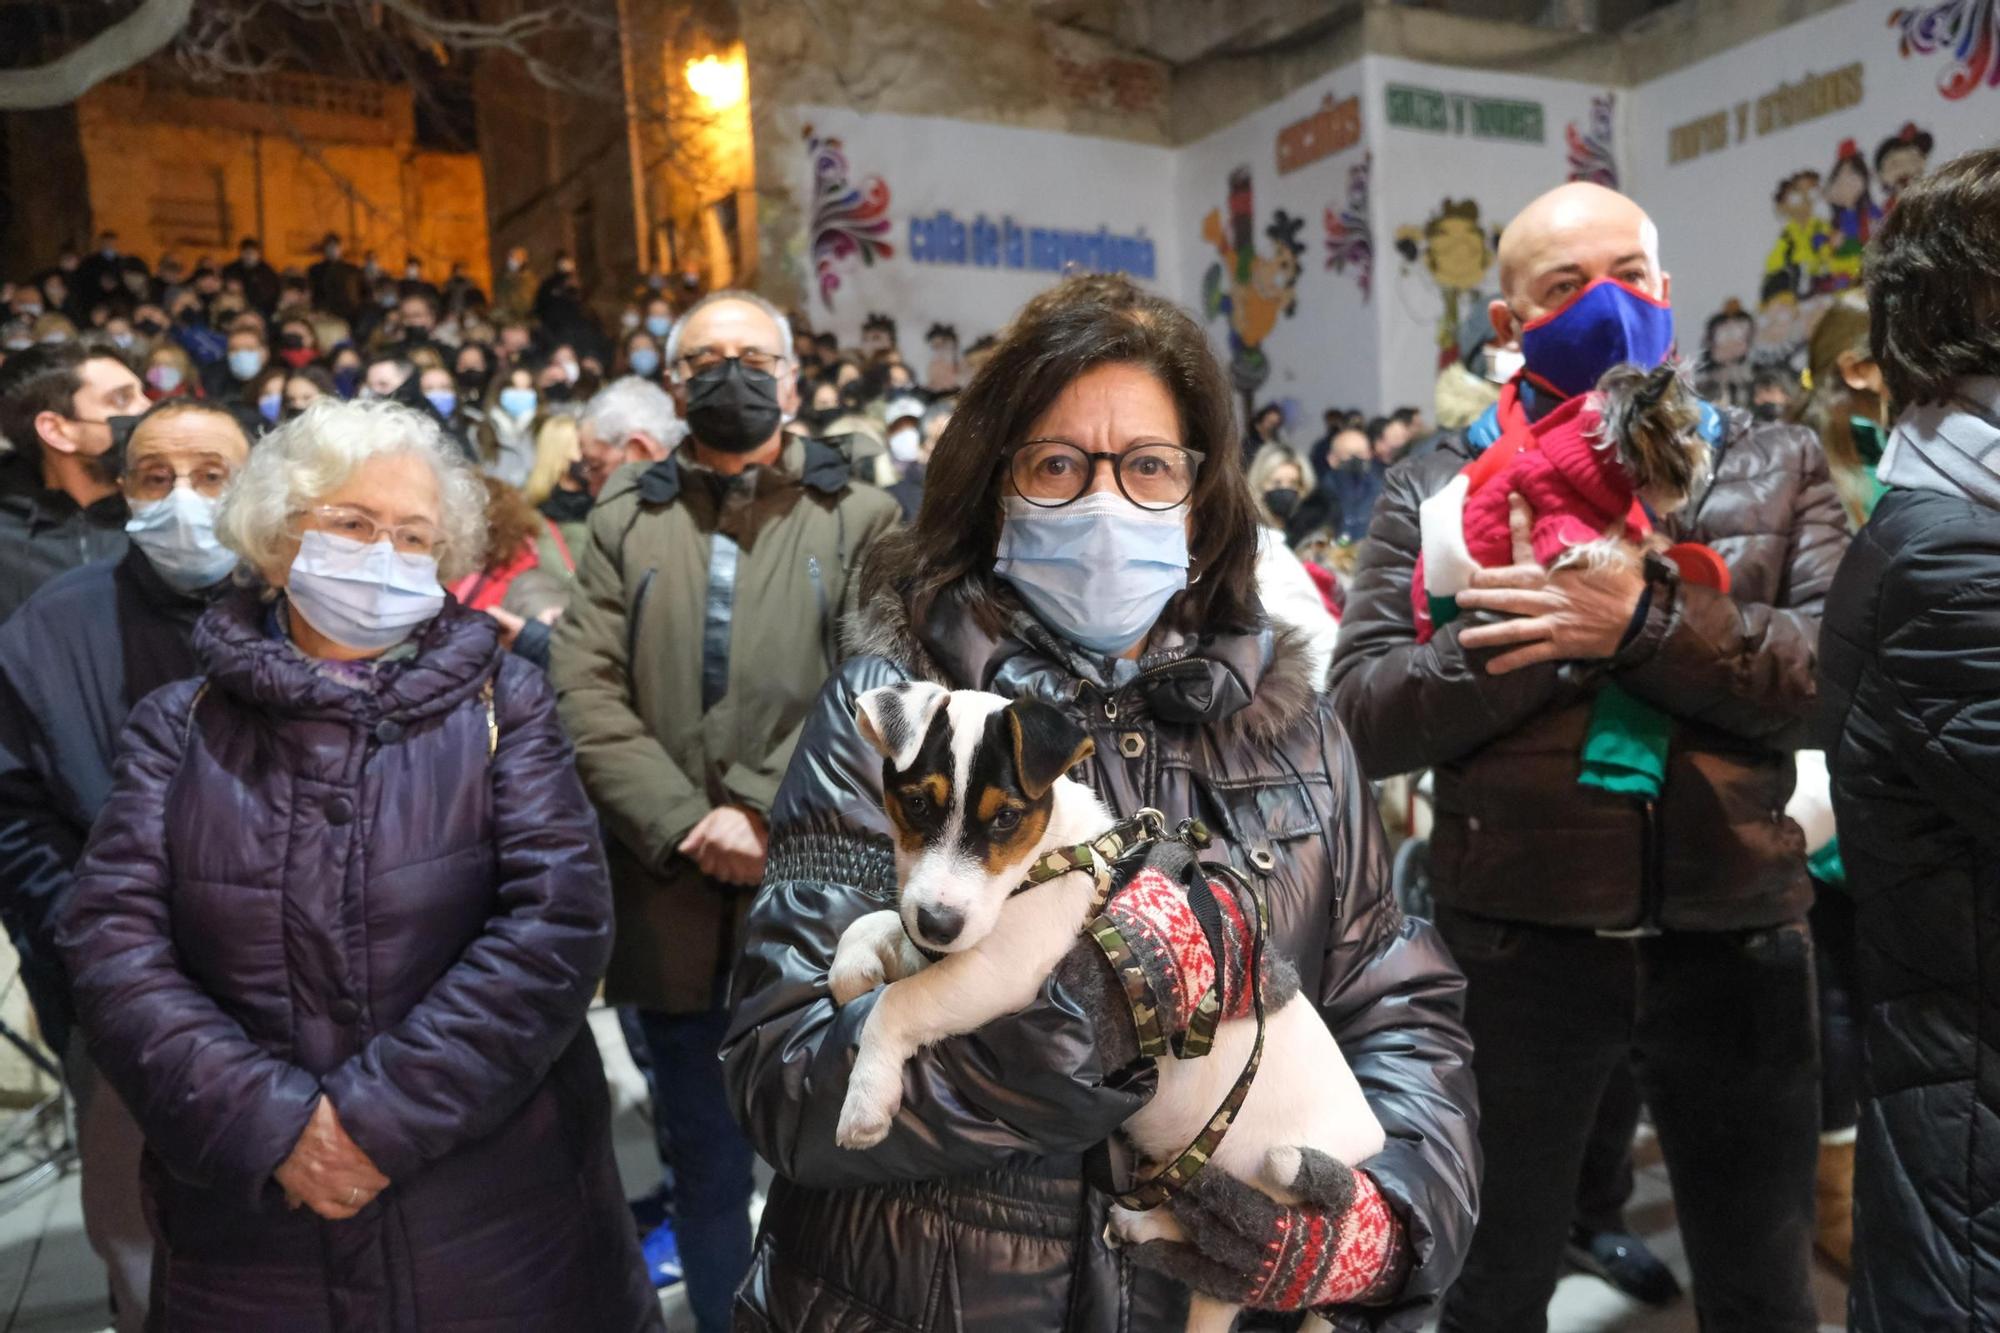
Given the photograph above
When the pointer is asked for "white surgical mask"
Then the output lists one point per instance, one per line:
(177, 534)
(903, 444)
(364, 597)
(1098, 571)
(163, 377)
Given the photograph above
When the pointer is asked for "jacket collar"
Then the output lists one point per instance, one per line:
(1952, 447)
(40, 507)
(812, 464)
(457, 652)
(1256, 685)
(170, 601)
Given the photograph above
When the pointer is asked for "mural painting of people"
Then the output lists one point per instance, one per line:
(1252, 290)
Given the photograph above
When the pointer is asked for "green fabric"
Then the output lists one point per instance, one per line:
(1869, 440)
(1826, 866)
(1444, 610)
(1625, 750)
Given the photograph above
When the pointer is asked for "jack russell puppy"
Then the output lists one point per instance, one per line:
(974, 788)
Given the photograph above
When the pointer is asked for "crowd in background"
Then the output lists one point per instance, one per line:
(342, 495)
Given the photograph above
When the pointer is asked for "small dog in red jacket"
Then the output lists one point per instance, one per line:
(1629, 449)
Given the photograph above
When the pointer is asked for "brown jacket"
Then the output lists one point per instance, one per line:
(683, 685)
(1516, 837)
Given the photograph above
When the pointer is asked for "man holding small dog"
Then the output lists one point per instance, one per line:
(1612, 894)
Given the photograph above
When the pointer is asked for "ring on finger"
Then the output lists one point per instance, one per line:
(353, 1195)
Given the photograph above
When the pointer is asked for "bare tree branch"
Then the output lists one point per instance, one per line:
(141, 34)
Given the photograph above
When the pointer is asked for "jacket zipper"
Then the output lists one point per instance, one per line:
(1651, 887)
(819, 597)
(632, 618)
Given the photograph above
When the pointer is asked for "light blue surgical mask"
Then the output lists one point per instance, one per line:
(645, 361)
(444, 400)
(1098, 571)
(269, 406)
(364, 597)
(245, 362)
(658, 325)
(518, 402)
(177, 535)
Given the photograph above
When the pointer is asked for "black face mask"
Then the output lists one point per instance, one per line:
(151, 328)
(1355, 467)
(559, 392)
(1282, 502)
(1768, 412)
(471, 378)
(817, 419)
(292, 342)
(733, 408)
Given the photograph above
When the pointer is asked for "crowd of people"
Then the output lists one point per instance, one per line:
(386, 669)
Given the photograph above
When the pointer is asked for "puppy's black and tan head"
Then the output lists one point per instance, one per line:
(1653, 419)
(969, 782)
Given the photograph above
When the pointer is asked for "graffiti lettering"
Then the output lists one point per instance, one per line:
(944, 238)
(1457, 113)
(1814, 96)
(1697, 137)
(1334, 126)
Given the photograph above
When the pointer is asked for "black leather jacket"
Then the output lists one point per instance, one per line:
(974, 1214)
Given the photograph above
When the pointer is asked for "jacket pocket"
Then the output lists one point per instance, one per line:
(776, 1297)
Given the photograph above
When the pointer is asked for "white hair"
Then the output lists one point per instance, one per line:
(633, 406)
(314, 454)
(673, 353)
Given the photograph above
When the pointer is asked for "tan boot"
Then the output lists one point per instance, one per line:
(1835, 1238)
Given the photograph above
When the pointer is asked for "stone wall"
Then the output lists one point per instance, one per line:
(175, 169)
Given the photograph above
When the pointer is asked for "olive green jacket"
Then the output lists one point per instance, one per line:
(704, 623)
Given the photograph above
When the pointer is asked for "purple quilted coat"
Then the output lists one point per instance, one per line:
(298, 890)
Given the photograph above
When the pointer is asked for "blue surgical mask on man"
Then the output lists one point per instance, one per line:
(177, 535)
(364, 597)
(658, 325)
(645, 361)
(245, 362)
(1608, 323)
(1098, 571)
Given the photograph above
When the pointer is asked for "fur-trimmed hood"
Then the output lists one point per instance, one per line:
(1252, 687)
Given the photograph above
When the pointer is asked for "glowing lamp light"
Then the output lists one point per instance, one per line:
(720, 83)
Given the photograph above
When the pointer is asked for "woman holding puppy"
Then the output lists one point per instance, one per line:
(1086, 540)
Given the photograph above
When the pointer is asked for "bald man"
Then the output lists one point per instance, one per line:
(1665, 927)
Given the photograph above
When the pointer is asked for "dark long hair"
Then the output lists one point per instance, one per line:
(1933, 271)
(1080, 324)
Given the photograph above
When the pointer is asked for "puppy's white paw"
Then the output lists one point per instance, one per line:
(1127, 1226)
(862, 1125)
(853, 976)
(1281, 1166)
(874, 1095)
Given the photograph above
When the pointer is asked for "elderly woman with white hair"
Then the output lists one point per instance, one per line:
(336, 929)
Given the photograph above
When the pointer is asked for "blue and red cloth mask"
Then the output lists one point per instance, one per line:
(1608, 323)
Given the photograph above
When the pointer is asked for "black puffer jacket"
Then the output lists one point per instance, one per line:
(1911, 658)
(973, 1215)
(1516, 837)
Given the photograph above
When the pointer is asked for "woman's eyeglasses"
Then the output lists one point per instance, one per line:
(1050, 473)
(414, 538)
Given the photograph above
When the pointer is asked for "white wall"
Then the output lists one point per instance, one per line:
(1467, 169)
(1717, 217)
(1379, 348)
(1072, 194)
(1324, 352)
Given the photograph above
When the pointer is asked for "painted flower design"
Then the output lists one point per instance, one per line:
(847, 219)
(1350, 240)
(1968, 29)
(1590, 153)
